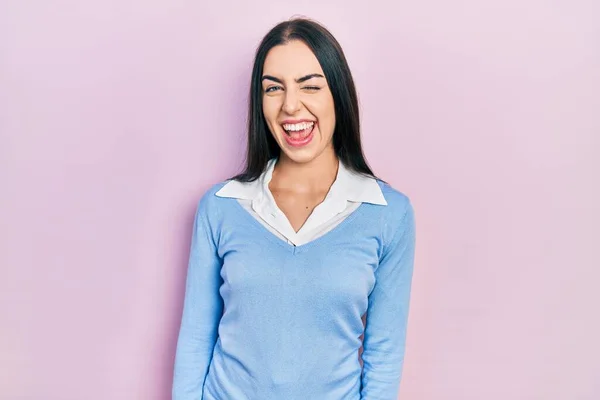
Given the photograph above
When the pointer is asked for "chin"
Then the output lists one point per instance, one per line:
(307, 154)
(300, 156)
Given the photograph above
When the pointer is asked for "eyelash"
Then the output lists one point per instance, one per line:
(268, 90)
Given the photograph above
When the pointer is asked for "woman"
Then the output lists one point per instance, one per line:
(303, 254)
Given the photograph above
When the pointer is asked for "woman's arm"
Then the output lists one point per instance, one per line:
(202, 310)
(387, 314)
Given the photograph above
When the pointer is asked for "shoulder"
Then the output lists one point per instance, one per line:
(209, 203)
(398, 215)
(397, 202)
(211, 192)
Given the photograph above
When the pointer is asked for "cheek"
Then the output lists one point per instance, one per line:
(270, 111)
(325, 112)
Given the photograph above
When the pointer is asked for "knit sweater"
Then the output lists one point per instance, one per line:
(267, 320)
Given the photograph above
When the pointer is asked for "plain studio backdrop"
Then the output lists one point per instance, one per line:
(116, 116)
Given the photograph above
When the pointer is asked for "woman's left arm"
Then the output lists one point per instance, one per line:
(387, 313)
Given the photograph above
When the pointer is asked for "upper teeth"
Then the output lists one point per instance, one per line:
(298, 127)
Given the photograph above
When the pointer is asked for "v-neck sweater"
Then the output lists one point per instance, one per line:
(267, 320)
(345, 195)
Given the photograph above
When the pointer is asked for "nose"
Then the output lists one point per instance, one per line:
(291, 103)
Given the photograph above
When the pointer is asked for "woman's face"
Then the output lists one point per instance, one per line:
(297, 103)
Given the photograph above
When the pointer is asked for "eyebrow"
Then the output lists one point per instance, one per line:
(299, 80)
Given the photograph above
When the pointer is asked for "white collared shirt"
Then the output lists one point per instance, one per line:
(347, 193)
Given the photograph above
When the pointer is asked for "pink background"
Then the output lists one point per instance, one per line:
(117, 115)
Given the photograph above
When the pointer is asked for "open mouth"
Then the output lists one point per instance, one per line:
(299, 134)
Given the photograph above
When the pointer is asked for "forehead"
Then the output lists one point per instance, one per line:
(293, 59)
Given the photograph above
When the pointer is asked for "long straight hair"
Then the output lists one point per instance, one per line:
(346, 137)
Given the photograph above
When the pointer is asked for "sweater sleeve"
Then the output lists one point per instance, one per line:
(202, 310)
(387, 314)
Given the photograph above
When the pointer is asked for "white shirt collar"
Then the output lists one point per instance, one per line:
(348, 186)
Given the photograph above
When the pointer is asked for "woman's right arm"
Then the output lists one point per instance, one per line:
(202, 310)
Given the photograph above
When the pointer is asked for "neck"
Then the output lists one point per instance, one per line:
(316, 175)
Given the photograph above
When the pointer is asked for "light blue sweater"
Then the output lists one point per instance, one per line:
(266, 320)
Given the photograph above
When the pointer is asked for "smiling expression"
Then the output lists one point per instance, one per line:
(297, 102)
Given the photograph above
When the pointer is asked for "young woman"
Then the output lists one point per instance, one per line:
(306, 255)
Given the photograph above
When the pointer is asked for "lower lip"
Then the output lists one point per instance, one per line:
(300, 142)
